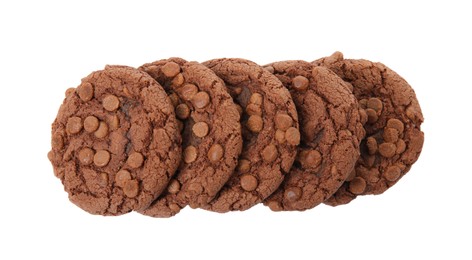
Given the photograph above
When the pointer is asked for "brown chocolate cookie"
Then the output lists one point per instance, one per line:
(392, 122)
(211, 134)
(115, 141)
(270, 134)
(331, 131)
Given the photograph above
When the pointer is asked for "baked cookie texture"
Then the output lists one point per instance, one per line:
(267, 111)
(211, 132)
(115, 141)
(331, 131)
(228, 134)
(394, 139)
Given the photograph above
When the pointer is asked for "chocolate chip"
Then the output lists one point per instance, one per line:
(300, 83)
(215, 153)
(292, 193)
(101, 158)
(256, 99)
(269, 154)
(188, 91)
(114, 122)
(200, 129)
(274, 205)
(392, 173)
(280, 136)
(253, 109)
(309, 158)
(178, 80)
(102, 130)
(91, 124)
(248, 182)
(387, 149)
(396, 124)
(190, 154)
(292, 135)
(401, 146)
(375, 104)
(255, 124)
(174, 98)
(174, 187)
(111, 103)
(86, 156)
(372, 116)
(69, 91)
(390, 135)
(74, 125)
(121, 177)
(135, 160)
(201, 99)
(244, 166)
(85, 91)
(357, 185)
(363, 116)
(131, 188)
(283, 121)
(182, 111)
(170, 69)
(373, 175)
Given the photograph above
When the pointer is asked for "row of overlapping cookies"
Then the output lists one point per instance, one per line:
(228, 134)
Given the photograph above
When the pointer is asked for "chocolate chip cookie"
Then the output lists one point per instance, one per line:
(393, 126)
(115, 141)
(270, 133)
(211, 134)
(331, 131)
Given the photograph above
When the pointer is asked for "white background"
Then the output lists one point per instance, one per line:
(47, 47)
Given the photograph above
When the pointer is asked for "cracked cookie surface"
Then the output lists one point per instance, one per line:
(211, 134)
(393, 120)
(331, 131)
(267, 111)
(115, 141)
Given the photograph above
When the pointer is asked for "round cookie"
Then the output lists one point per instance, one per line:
(393, 120)
(211, 134)
(115, 141)
(331, 131)
(270, 132)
